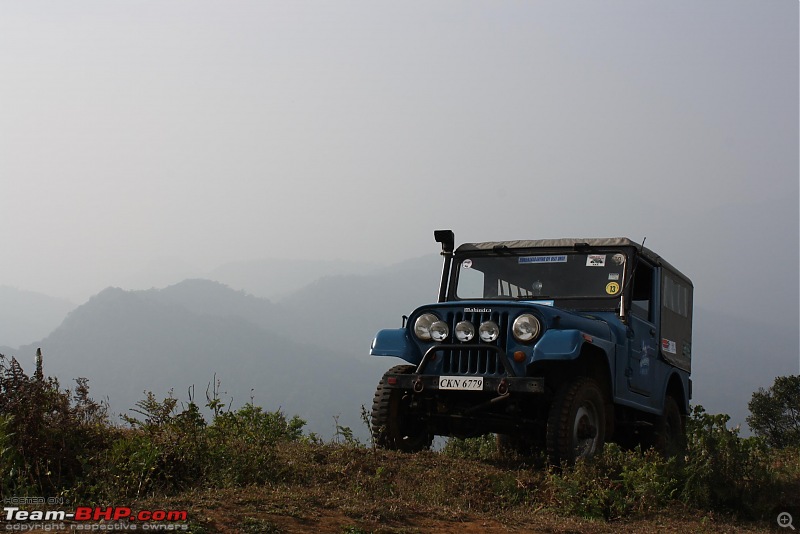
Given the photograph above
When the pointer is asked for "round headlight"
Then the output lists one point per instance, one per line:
(422, 326)
(465, 331)
(526, 327)
(439, 331)
(489, 331)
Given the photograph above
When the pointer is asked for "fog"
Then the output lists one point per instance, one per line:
(144, 143)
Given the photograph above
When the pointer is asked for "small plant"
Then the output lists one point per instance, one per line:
(366, 418)
(479, 448)
(344, 434)
(259, 526)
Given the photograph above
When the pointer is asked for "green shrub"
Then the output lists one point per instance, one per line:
(243, 444)
(616, 483)
(775, 412)
(480, 448)
(126, 470)
(725, 471)
(167, 451)
(48, 434)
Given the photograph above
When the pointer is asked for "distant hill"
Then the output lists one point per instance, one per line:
(128, 342)
(276, 278)
(353, 308)
(26, 316)
(307, 353)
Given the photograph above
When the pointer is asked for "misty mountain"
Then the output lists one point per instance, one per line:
(308, 353)
(275, 278)
(205, 297)
(129, 342)
(26, 316)
(352, 308)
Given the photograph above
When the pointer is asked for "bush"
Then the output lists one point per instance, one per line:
(775, 412)
(47, 435)
(725, 471)
(614, 484)
(168, 451)
(479, 448)
(720, 471)
(243, 444)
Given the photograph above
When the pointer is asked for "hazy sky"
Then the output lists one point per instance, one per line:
(189, 134)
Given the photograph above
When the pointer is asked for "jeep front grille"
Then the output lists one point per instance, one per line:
(471, 358)
(472, 361)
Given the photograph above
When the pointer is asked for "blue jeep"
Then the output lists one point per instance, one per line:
(555, 345)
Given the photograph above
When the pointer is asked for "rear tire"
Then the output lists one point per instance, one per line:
(670, 439)
(394, 426)
(576, 426)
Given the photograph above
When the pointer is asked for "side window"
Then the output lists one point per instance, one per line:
(676, 296)
(642, 295)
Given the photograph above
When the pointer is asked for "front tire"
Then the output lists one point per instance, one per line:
(576, 425)
(394, 425)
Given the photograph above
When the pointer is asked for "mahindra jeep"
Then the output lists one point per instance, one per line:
(555, 345)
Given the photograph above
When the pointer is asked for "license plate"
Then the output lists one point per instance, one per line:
(461, 383)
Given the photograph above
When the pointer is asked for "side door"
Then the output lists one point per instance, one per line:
(643, 330)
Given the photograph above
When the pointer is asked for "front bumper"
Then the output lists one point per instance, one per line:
(501, 385)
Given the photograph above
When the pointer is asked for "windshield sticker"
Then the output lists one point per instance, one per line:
(466, 264)
(612, 288)
(596, 260)
(613, 276)
(542, 259)
(668, 346)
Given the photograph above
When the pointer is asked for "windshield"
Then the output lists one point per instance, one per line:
(540, 276)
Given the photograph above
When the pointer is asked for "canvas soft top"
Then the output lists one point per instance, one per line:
(570, 242)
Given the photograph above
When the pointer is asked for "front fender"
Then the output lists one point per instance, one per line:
(395, 342)
(566, 345)
(558, 345)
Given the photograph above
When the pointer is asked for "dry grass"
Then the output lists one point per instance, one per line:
(344, 489)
